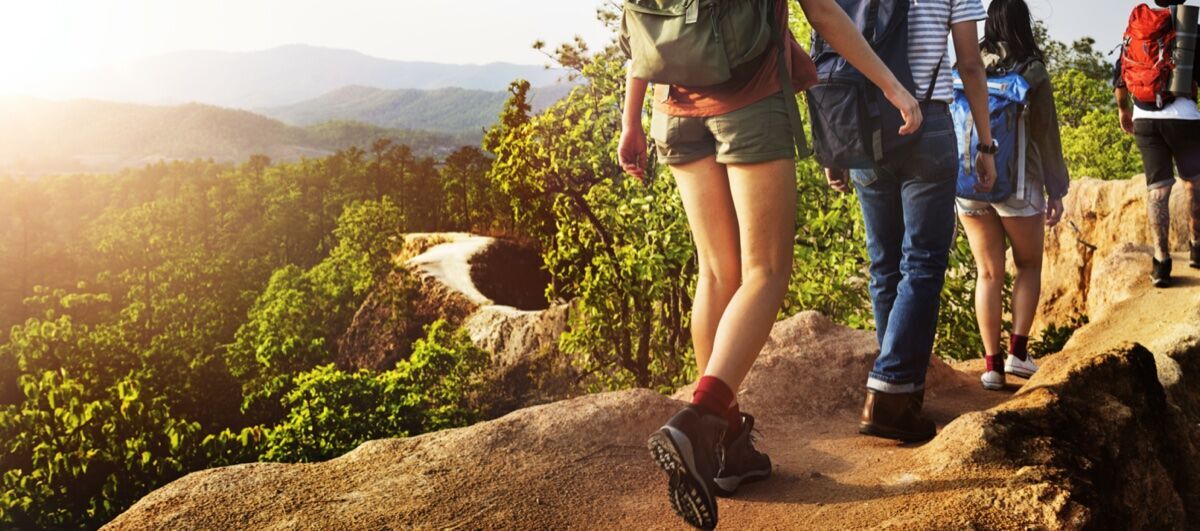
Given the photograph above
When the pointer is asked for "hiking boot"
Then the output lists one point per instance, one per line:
(1020, 367)
(743, 462)
(688, 448)
(896, 416)
(1195, 261)
(1160, 273)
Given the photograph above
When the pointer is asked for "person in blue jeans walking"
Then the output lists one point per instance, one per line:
(908, 208)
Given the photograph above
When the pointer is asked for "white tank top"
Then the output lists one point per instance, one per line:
(1180, 109)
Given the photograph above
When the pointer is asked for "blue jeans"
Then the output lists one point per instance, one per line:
(909, 213)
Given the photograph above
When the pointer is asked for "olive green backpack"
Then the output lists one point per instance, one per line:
(700, 43)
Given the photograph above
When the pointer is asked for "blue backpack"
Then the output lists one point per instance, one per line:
(853, 125)
(1008, 99)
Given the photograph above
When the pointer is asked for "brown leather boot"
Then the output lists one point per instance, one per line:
(896, 416)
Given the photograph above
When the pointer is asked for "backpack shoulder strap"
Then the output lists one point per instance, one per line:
(1022, 145)
(937, 72)
(789, 93)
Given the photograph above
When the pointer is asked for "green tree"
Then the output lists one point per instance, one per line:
(77, 459)
(295, 323)
(329, 411)
(469, 199)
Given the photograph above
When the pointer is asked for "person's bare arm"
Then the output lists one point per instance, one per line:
(1124, 109)
(631, 151)
(831, 22)
(974, 77)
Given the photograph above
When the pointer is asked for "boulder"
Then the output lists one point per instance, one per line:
(1100, 216)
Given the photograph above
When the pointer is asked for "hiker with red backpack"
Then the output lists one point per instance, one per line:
(1027, 197)
(725, 121)
(1157, 68)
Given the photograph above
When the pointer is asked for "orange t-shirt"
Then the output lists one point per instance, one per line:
(743, 90)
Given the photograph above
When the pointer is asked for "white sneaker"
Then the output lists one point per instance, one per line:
(992, 380)
(1016, 366)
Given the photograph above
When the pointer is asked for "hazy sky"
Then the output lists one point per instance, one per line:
(42, 37)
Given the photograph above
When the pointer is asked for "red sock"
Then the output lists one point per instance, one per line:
(994, 363)
(715, 397)
(1018, 346)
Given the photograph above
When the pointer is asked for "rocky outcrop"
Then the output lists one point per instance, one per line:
(493, 289)
(1100, 217)
(1102, 437)
(394, 315)
(397, 311)
(526, 362)
(1107, 433)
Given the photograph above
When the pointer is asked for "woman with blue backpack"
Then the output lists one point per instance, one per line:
(1027, 196)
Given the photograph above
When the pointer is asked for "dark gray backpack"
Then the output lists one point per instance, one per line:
(854, 126)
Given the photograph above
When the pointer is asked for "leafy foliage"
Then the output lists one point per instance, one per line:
(1093, 143)
(332, 411)
(618, 247)
(87, 455)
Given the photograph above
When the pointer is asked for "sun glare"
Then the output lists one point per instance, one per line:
(41, 39)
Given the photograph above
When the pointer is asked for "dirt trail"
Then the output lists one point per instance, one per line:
(827, 475)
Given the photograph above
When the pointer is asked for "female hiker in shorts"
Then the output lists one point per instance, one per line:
(1008, 46)
(730, 149)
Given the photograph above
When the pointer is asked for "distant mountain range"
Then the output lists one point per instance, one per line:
(448, 110)
(41, 136)
(279, 76)
(284, 102)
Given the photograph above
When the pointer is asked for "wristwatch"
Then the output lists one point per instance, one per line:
(990, 149)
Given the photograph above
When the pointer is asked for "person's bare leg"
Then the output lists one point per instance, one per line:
(1159, 210)
(764, 196)
(986, 234)
(704, 187)
(1192, 188)
(1027, 236)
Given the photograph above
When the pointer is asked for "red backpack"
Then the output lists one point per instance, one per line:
(1146, 61)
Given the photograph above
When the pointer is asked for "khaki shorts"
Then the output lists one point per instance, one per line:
(759, 132)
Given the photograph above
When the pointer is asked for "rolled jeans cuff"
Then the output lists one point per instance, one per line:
(881, 386)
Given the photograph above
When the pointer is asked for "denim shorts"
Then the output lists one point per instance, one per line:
(1032, 203)
(759, 132)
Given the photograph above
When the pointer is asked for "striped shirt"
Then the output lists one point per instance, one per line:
(929, 24)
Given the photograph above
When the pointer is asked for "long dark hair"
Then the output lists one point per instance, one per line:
(1009, 22)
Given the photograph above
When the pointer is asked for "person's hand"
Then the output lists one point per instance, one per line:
(985, 167)
(631, 152)
(909, 109)
(838, 179)
(1054, 212)
(1126, 116)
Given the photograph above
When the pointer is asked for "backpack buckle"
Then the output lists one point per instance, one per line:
(692, 15)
